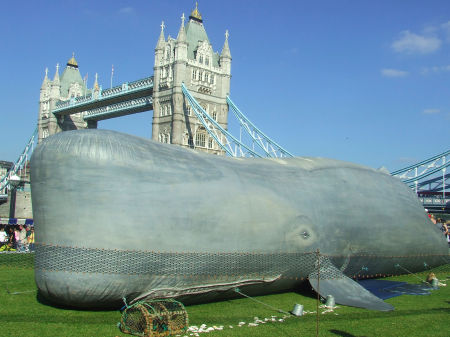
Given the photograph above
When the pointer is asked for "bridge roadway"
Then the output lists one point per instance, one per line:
(125, 99)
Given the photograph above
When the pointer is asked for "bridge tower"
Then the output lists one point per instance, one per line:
(191, 59)
(68, 86)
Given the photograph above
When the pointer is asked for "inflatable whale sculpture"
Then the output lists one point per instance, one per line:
(119, 216)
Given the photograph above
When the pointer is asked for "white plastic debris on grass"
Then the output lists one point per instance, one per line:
(194, 330)
(328, 309)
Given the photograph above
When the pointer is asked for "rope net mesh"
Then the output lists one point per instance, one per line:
(155, 318)
(224, 266)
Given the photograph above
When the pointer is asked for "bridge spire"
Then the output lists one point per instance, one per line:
(182, 33)
(45, 81)
(226, 48)
(162, 39)
(72, 62)
(56, 78)
(96, 87)
(195, 14)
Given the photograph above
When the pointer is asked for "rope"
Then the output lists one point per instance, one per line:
(265, 304)
(399, 266)
(18, 292)
(318, 292)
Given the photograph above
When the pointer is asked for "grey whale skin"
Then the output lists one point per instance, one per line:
(121, 216)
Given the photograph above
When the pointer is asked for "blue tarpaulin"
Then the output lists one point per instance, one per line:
(388, 289)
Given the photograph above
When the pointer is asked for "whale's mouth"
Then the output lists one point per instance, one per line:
(197, 290)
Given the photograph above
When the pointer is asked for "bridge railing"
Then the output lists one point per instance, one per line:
(124, 88)
(115, 108)
(267, 145)
(20, 165)
(427, 172)
(429, 180)
(226, 141)
(424, 169)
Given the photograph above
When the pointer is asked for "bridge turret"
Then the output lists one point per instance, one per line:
(56, 85)
(96, 88)
(190, 59)
(44, 107)
(179, 76)
(225, 64)
(159, 54)
(67, 87)
(45, 87)
(55, 96)
(181, 44)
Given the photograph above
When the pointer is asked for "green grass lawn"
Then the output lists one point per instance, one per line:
(21, 314)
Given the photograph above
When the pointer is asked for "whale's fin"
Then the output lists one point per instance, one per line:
(344, 290)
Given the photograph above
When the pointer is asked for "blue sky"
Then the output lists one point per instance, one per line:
(361, 81)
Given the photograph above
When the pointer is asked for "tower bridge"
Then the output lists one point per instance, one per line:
(189, 95)
(67, 104)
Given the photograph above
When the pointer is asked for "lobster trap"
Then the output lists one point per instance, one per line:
(154, 318)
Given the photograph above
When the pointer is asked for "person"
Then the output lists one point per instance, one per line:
(7, 248)
(17, 238)
(3, 236)
(433, 219)
(22, 239)
(445, 229)
(11, 237)
(30, 239)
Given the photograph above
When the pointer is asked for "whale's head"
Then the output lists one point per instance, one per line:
(358, 211)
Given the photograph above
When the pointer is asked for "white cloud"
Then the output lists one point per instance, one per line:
(435, 70)
(126, 10)
(446, 28)
(411, 43)
(431, 111)
(393, 73)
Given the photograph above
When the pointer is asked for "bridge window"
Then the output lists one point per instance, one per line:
(207, 60)
(214, 115)
(212, 79)
(206, 77)
(200, 139)
(210, 143)
(188, 110)
(201, 59)
(194, 74)
(161, 111)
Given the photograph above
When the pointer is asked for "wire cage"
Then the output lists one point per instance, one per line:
(154, 318)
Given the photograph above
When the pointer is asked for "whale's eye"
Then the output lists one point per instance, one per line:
(305, 235)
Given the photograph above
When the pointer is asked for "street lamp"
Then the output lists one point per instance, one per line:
(14, 182)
